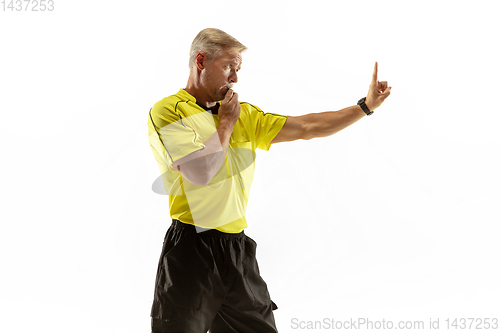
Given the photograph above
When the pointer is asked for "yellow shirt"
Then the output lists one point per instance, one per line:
(177, 127)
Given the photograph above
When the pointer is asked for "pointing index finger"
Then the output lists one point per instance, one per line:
(375, 73)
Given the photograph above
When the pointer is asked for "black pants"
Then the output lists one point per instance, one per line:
(210, 280)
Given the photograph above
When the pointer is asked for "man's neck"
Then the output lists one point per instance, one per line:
(201, 97)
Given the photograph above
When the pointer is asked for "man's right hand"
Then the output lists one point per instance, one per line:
(378, 91)
(229, 110)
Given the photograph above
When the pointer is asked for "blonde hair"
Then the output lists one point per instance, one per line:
(212, 41)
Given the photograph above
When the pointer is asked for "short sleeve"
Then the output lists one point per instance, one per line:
(267, 126)
(177, 135)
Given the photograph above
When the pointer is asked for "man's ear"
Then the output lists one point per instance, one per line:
(201, 59)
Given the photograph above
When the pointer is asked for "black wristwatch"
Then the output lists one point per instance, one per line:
(361, 103)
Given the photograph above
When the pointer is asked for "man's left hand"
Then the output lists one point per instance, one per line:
(378, 91)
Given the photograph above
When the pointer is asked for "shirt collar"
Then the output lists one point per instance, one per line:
(185, 95)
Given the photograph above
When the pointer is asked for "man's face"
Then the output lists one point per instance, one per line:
(219, 75)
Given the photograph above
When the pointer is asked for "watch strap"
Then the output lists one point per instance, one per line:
(361, 103)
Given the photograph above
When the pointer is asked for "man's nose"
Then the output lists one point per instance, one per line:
(233, 78)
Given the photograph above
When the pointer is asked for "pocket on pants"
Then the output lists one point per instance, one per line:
(182, 273)
(251, 271)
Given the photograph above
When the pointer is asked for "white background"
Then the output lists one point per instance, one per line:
(395, 217)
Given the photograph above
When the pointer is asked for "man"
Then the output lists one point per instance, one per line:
(204, 141)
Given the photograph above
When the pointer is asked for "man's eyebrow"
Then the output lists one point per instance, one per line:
(234, 63)
(239, 67)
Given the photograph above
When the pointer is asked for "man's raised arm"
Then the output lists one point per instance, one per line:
(314, 125)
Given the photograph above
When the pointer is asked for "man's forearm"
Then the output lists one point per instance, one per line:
(200, 166)
(328, 123)
(212, 162)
